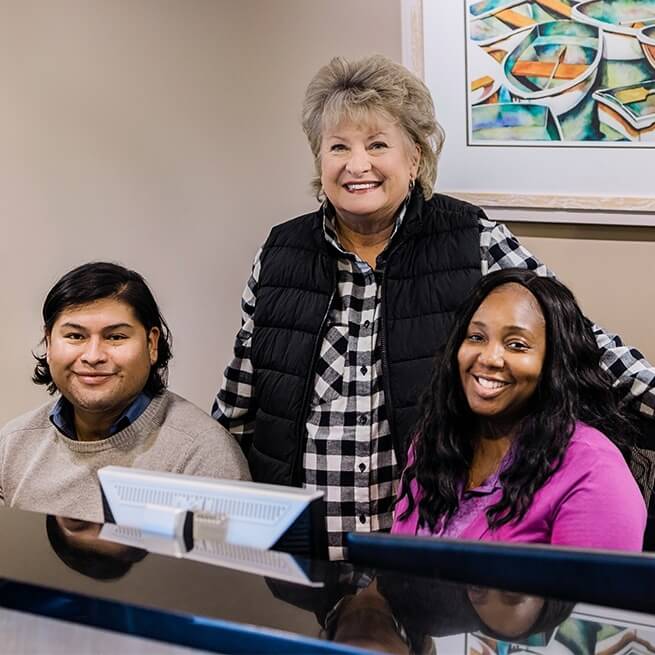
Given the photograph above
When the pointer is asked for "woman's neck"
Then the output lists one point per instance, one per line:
(366, 239)
(492, 443)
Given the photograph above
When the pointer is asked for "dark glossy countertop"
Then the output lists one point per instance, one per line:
(67, 573)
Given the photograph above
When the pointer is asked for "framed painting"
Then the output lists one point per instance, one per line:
(584, 628)
(546, 104)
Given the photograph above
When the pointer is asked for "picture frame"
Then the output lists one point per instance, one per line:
(622, 632)
(566, 183)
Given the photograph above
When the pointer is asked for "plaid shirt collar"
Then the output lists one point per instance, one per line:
(330, 228)
(62, 416)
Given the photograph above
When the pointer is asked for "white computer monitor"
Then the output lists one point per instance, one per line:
(245, 513)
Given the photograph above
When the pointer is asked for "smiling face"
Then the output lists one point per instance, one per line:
(366, 168)
(100, 356)
(502, 355)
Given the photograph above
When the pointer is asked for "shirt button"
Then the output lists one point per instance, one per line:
(362, 467)
(363, 370)
(367, 324)
(362, 518)
(362, 419)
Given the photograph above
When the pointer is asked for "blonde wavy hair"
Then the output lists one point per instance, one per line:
(375, 85)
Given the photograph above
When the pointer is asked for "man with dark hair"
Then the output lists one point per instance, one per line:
(79, 546)
(107, 349)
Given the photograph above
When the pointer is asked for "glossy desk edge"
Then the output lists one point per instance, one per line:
(610, 578)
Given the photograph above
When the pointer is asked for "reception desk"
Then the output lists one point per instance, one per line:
(68, 586)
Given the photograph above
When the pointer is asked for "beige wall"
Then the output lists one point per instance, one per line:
(164, 134)
(611, 270)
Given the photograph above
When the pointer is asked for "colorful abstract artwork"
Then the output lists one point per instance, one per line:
(561, 72)
(577, 635)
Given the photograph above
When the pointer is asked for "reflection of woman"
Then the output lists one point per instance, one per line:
(514, 623)
(510, 616)
(346, 306)
(508, 446)
(504, 612)
(400, 614)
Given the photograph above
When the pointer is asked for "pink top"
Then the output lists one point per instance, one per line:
(592, 501)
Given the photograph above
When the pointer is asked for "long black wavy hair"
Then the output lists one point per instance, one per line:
(97, 281)
(572, 386)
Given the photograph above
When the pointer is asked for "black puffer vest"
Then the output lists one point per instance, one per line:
(433, 261)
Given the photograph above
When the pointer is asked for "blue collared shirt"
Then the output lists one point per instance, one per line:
(61, 416)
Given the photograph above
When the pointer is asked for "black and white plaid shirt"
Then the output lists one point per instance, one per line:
(349, 452)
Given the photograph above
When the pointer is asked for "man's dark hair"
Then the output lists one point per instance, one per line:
(572, 387)
(87, 562)
(97, 281)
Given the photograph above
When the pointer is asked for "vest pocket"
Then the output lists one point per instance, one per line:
(330, 367)
(265, 468)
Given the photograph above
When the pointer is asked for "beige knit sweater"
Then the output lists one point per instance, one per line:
(44, 471)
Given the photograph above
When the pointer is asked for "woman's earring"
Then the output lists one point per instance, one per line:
(411, 184)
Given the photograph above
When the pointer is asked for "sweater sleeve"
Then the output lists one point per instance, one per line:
(603, 507)
(215, 454)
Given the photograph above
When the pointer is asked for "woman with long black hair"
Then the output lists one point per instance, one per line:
(520, 436)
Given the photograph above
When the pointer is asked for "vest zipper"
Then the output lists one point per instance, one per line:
(386, 384)
(301, 433)
(398, 444)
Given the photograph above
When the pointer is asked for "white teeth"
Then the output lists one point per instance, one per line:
(490, 384)
(358, 187)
